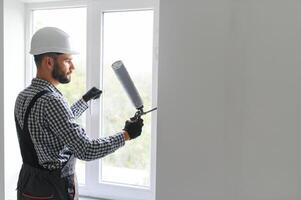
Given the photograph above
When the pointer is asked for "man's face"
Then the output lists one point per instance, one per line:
(62, 68)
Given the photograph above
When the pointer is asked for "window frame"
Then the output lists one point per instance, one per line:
(95, 10)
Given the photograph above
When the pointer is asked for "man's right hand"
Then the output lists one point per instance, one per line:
(133, 127)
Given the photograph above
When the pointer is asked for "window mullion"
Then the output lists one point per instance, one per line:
(93, 79)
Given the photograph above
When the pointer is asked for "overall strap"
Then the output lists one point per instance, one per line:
(28, 152)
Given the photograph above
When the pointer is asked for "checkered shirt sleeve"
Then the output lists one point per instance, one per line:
(78, 108)
(61, 121)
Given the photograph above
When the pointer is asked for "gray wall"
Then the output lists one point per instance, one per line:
(191, 96)
(270, 139)
(229, 100)
(1, 105)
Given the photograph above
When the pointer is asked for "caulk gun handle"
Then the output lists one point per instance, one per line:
(136, 116)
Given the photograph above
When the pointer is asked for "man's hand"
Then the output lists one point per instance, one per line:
(93, 93)
(133, 127)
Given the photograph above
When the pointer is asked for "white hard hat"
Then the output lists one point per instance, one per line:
(51, 39)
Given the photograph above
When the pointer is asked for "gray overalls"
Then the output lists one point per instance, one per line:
(35, 182)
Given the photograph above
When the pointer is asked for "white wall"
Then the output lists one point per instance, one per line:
(14, 78)
(1, 105)
(229, 100)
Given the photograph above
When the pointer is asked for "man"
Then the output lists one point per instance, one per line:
(49, 137)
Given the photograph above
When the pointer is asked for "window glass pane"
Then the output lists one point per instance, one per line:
(127, 36)
(72, 21)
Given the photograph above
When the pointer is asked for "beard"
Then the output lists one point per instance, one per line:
(58, 75)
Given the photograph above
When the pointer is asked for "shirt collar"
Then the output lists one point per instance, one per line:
(44, 83)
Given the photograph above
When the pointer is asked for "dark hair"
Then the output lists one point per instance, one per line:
(38, 58)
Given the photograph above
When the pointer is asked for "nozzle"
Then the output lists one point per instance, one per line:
(140, 112)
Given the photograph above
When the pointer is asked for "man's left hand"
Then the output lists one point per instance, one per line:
(93, 93)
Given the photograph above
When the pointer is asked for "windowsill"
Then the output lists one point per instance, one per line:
(89, 198)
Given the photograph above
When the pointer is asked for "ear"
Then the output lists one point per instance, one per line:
(48, 62)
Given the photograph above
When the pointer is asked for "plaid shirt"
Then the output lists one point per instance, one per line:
(53, 129)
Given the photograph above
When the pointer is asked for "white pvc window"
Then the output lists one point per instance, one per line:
(106, 31)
